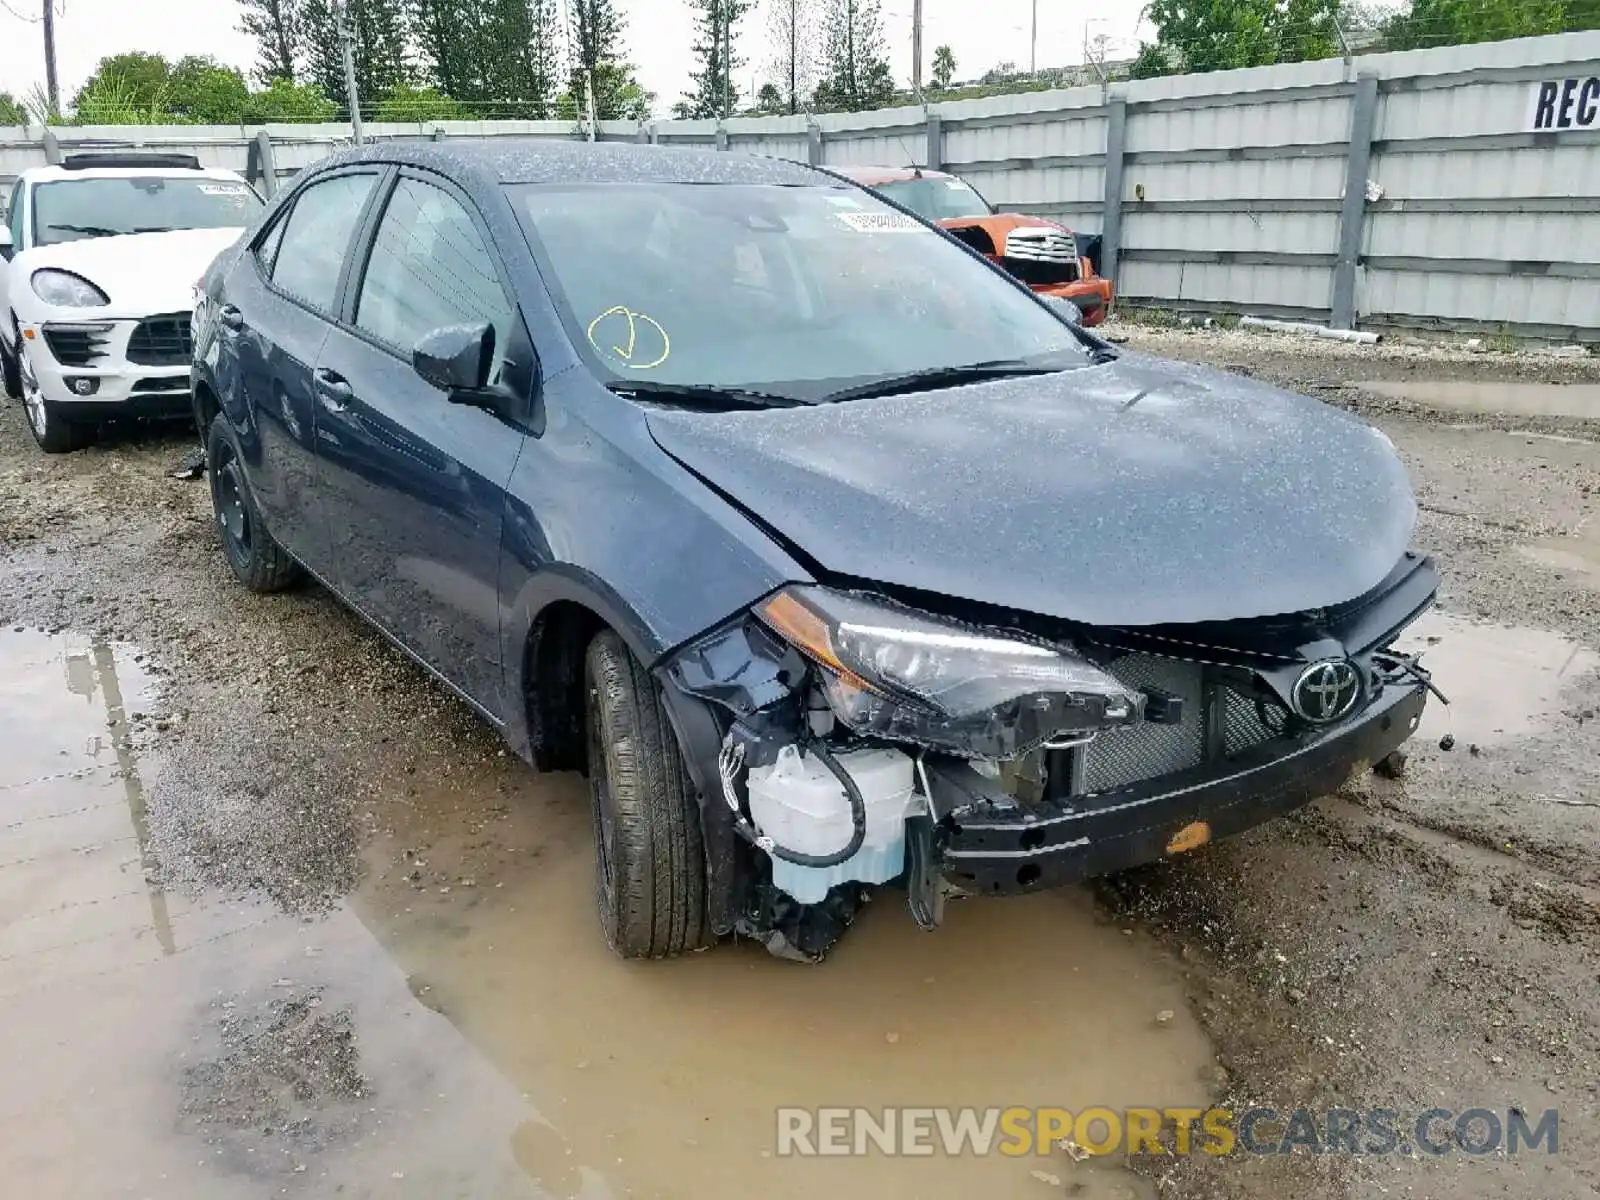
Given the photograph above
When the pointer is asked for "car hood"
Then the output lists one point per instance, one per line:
(1139, 492)
(142, 273)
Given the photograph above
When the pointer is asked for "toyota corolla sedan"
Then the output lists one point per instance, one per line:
(834, 557)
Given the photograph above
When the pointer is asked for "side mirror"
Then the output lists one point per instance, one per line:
(456, 358)
(7, 249)
(1065, 309)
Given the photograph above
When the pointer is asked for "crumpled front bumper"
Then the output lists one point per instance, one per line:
(1092, 295)
(1095, 835)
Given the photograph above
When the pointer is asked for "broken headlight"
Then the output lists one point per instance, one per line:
(909, 676)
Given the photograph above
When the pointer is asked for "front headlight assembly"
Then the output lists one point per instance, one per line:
(66, 290)
(909, 676)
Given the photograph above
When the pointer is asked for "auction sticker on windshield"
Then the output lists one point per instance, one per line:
(887, 222)
(223, 189)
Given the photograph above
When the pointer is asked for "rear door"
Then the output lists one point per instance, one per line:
(417, 484)
(279, 304)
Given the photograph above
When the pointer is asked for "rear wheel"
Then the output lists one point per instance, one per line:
(55, 433)
(259, 562)
(650, 881)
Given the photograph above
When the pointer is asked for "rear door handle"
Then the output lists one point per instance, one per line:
(333, 390)
(231, 317)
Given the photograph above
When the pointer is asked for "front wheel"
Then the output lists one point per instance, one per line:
(54, 432)
(259, 562)
(650, 876)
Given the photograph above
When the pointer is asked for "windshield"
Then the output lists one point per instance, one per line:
(936, 199)
(789, 290)
(72, 209)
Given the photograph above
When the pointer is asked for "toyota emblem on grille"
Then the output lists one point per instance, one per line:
(1327, 691)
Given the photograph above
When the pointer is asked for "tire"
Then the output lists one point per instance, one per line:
(12, 376)
(650, 875)
(258, 562)
(54, 432)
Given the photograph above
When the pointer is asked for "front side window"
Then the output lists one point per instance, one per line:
(936, 199)
(316, 236)
(429, 268)
(793, 290)
(70, 210)
(14, 215)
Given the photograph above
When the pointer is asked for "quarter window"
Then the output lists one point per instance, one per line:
(316, 236)
(14, 215)
(429, 268)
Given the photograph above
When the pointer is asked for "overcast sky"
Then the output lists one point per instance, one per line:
(658, 37)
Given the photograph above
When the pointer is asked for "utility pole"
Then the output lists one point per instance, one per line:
(916, 49)
(348, 49)
(52, 87)
(1033, 43)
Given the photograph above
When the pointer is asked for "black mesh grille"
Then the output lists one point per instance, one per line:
(76, 345)
(169, 383)
(1147, 750)
(1243, 725)
(161, 341)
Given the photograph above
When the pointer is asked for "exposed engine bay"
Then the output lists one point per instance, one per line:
(862, 742)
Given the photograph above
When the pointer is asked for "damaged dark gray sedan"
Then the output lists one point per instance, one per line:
(835, 558)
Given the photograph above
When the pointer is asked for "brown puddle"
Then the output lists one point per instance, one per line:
(664, 1079)
(466, 1032)
(1502, 681)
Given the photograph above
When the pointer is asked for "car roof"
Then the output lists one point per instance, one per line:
(874, 176)
(52, 174)
(542, 160)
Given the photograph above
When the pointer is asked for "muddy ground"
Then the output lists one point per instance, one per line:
(279, 917)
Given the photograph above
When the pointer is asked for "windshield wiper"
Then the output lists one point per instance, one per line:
(154, 229)
(91, 230)
(702, 395)
(939, 377)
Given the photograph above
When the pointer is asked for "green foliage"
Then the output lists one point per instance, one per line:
(206, 92)
(1221, 35)
(275, 26)
(12, 113)
(420, 104)
(855, 70)
(770, 101)
(380, 29)
(282, 102)
(1152, 62)
(716, 33)
(1458, 22)
(116, 100)
(944, 67)
(133, 80)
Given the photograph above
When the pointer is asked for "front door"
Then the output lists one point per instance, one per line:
(415, 485)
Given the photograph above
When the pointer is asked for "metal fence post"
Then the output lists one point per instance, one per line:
(722, 136)
(1116, 144)
(262, 163)
(645, 135)
(813, 143)
(1353, 213)
(935, 142)
(52, 147)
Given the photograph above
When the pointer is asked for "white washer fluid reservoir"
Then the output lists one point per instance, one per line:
(802, 806)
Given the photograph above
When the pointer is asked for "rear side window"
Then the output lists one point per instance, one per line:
(429, 268)
(316, 236)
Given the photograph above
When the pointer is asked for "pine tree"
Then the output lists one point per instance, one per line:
(597, 57)
(855, 69)
(544, 60)
(792, 26)
(379, 28)
(275, 26)
(445, 43)
(715, 93)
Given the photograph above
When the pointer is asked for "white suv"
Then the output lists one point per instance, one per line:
(99, 258)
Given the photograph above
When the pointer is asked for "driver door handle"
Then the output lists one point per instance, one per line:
(333, 390)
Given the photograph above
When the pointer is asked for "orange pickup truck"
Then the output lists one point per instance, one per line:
(1046, 256)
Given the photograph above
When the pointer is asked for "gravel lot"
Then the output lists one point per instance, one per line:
(335, 939)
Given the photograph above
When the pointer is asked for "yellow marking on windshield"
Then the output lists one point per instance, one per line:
(625, 354)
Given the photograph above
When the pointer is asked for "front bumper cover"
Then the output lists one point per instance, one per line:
(1112, 831)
